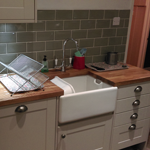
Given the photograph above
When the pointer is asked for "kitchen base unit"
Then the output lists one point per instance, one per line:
(18, 11)
(131, 121)
(28, 126)
(89, 134)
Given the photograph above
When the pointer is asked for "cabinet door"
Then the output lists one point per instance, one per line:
(30, 130)
(124, 137)
(91, 134)
(17, 10)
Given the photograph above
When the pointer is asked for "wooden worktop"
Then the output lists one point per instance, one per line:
(114, 78)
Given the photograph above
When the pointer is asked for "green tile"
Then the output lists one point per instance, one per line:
(54, 25)
(106, 49)
(40, 55)
(71, 44)
(40, 26)
(124, 40)
(2, 48)
(63, 14)
(122, 31)
(46, 14)
(120, 48)
(45, 36)
(7, 58)
(99, 58)
(54, 45)
(7, 37)
(59, 54)
(38, 46)
(93, 51)
(79, 34)
(110, 14)
(88, 59)
(80, 14)
(115, 41)
(51, 64)
(1, 68)
(16, 47)
(71, 25)
(31, 55)
(86, 43)
(124, 13)
(121, 57)
(96, 14)
(87, 24)
(94, 33)
(109, 32)
(103, 24)
(73, 52)
(101, 42)
(2, 27)
(62, 35)
(126, 22)
(26, 36)
(116, 26)
(14, 27)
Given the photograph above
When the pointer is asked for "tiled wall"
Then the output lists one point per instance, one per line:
(92, 29)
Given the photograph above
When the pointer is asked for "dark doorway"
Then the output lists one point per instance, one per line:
(147, 57)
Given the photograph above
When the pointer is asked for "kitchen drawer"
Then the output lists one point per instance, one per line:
(129, 90)
(123, 137)
(127, 104)
(31, 106)
(131, 116)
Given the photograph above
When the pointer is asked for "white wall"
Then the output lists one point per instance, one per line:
(83, 4)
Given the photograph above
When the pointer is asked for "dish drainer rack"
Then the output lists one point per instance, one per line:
(23, 74)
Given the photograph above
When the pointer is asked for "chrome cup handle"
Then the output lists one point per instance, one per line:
(21, 109)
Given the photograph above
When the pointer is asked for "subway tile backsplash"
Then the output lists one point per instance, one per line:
(93, 29)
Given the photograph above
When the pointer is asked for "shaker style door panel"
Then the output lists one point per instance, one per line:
(32, 129)
(91, 134)
(17, 10)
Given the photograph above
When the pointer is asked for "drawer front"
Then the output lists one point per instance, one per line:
(123, 137)
(127, 104)
(31, 106)
(133, 90)
(131, 116)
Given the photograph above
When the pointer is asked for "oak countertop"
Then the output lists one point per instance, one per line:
(114, 78)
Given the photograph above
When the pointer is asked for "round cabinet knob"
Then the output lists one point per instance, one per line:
(63, 136)
(132, 127)
(138, 89)
(21, 109)
(136, 103)
(134, 116)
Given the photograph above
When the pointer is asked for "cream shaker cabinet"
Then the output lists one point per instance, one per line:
(17, 11)
(132, 116)
(88, 134)
(28, 126)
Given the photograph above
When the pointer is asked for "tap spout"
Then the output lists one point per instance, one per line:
(63, 67)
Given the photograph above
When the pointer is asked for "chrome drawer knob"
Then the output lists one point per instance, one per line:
(63, 136)
(136, 103)
(132, 127)
(21, 109)
(138, 89)
(134, 116)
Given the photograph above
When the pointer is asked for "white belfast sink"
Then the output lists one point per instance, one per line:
(90, 99)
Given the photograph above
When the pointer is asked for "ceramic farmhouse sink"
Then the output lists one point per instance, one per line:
(90, 97)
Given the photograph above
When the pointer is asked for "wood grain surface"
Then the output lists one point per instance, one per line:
(114, 78)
